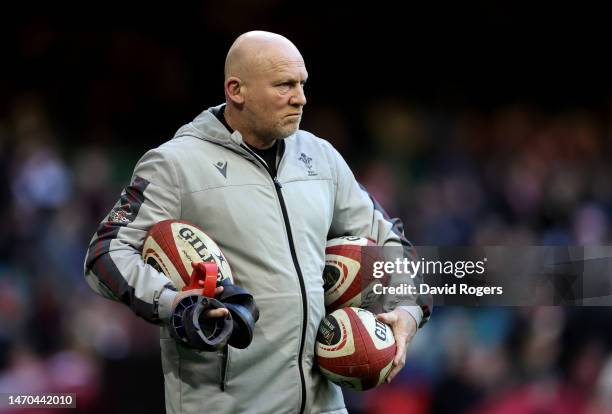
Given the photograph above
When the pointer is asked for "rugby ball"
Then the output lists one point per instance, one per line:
(171, 246)
(347, 276)
(354, 349)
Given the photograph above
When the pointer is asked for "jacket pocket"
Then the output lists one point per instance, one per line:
(224, 359)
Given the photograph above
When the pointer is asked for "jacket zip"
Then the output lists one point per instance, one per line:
(281, 199)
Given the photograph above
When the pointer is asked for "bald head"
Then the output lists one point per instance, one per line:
(264, 88)
(257, 51)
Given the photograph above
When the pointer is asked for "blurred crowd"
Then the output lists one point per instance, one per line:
(516, 176)
(512, 175)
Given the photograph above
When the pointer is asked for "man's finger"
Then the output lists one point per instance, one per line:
(398, 361)
(216, 313)
(400, 353)
(392, 374)
(388, 318)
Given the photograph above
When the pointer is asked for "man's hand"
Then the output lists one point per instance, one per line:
(200, 322)
(404, 327)
(213, 313)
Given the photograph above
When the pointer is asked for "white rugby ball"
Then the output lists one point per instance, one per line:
(172, 245)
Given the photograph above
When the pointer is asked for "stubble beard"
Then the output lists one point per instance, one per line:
(280, 131)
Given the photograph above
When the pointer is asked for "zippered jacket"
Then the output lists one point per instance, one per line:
(273, 232)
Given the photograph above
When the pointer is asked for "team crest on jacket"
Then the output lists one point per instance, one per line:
(307, 163)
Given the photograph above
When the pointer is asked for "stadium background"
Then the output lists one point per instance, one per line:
(475, 123)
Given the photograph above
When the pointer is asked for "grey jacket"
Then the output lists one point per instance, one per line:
(273, 232)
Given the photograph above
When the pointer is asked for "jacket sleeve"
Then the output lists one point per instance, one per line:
(113, 264)
(356, 213)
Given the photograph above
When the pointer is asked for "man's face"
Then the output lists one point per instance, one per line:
(274, 96)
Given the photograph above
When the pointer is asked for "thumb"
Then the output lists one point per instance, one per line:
(387, 317)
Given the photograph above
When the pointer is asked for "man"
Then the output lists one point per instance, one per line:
(270, 195)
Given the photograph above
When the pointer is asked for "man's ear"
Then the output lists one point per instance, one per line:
(234, 90)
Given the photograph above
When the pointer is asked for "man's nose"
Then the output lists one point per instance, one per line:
(299, 97)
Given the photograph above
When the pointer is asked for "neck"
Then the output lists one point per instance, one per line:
(257, 143)
(233, 119)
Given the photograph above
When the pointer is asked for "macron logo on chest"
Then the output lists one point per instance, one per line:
(222, 168)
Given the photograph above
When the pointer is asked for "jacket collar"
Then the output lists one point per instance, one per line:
(207, 127)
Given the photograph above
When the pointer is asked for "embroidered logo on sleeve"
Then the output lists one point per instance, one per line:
(129, 203)
(120, 214)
